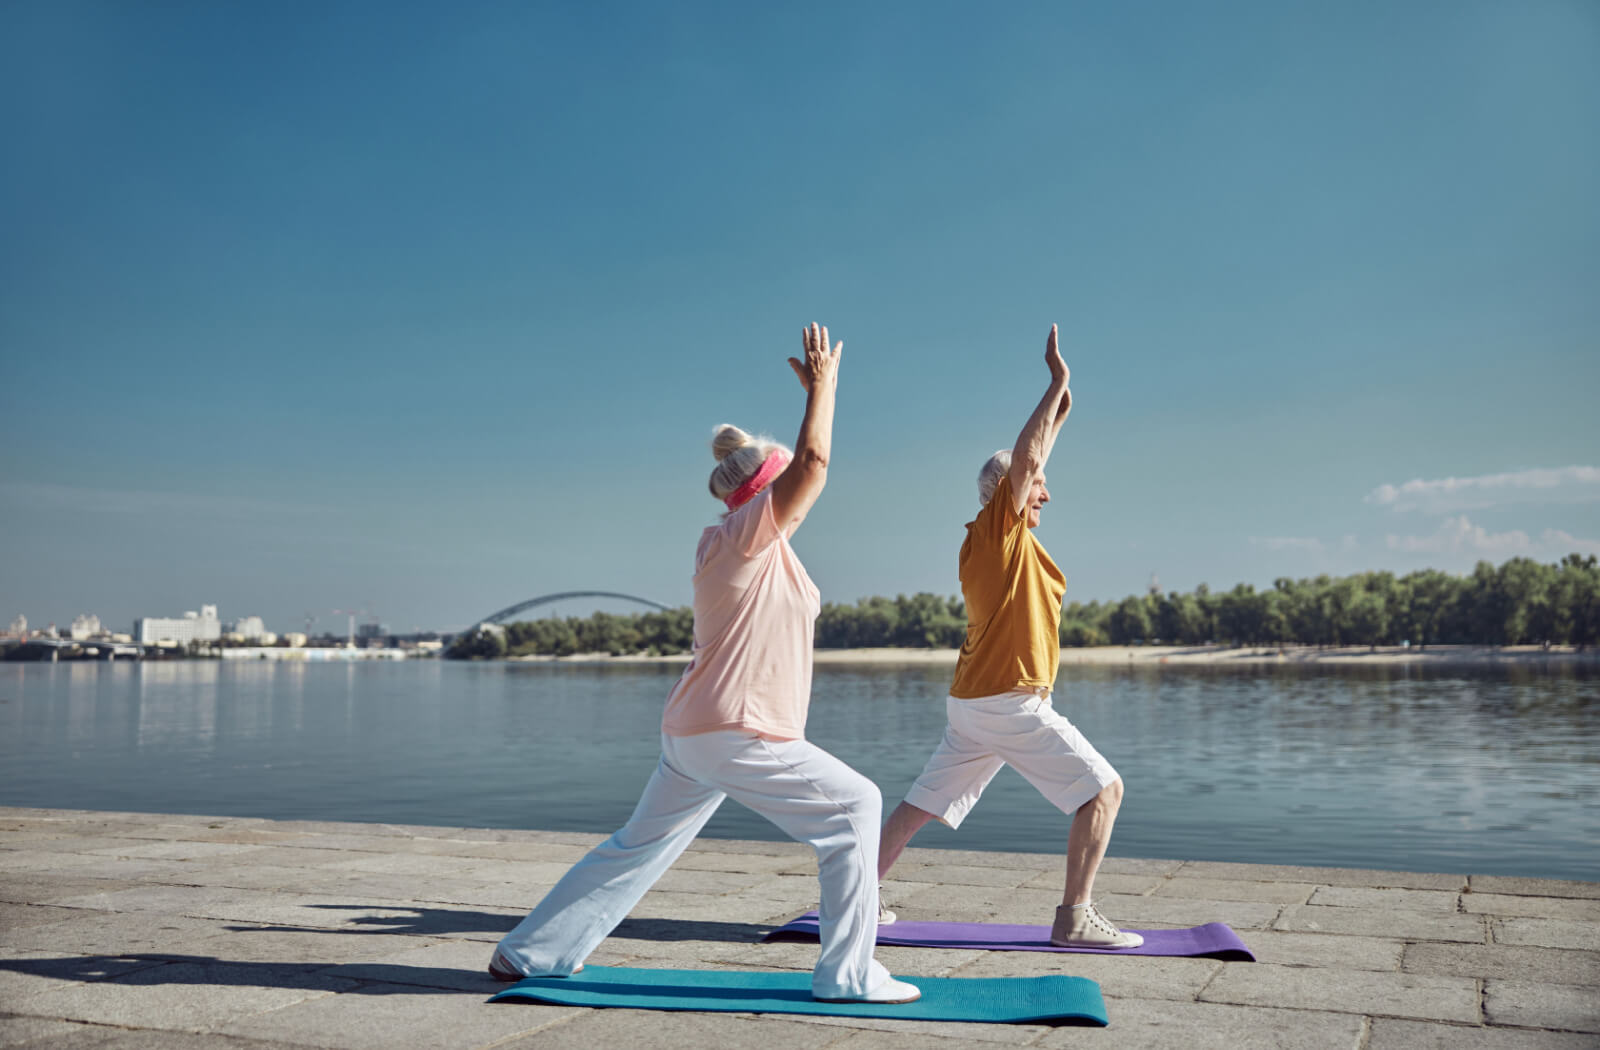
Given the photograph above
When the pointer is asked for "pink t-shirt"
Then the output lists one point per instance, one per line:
(754, 607)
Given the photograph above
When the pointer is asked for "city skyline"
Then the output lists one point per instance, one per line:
(428, 311)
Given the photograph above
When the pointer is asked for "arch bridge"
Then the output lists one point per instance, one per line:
(505, 615)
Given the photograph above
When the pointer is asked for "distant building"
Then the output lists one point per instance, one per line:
(295, 639)
(84, 626)
(19, 626)
(248, 628)
(202, 626)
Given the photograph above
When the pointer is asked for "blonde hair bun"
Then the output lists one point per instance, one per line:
(728, 439)
(739, 455)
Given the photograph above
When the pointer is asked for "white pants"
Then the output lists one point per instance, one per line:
(1020, 729)
(810, 795)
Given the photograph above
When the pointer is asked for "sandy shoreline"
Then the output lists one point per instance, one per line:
(1185, 656)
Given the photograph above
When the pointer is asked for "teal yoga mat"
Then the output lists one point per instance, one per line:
(1011, 1000)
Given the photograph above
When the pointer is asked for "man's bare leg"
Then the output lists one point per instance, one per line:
(1078, 923)
(1086, 843)
(904, 822)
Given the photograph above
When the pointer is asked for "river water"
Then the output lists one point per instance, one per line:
(1487, 771)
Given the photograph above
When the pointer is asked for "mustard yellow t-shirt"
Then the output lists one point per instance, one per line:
(1013, 593)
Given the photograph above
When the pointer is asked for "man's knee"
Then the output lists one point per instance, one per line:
(1109, 799)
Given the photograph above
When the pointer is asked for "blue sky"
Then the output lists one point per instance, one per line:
(430, 308)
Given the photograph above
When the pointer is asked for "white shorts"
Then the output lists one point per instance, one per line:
(1019, 728)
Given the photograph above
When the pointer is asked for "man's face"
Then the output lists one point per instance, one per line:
(1038, 496)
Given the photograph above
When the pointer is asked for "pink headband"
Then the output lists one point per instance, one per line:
(771, 467)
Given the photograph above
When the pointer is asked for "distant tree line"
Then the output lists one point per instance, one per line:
(1521, 602)
(655, 633)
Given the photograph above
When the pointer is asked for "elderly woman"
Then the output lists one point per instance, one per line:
(735, 726)
(999, 706)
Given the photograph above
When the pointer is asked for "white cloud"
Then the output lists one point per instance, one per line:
(1544, 485)
(1558, 542)
(1459, 536)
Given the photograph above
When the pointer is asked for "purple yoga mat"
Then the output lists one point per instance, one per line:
(1215, 939)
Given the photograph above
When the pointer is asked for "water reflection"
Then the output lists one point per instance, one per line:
(1490, 770)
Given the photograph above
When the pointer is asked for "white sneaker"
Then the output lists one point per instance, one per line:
(1085, 927)
(890, 991)
(885, 916)
(501, 969)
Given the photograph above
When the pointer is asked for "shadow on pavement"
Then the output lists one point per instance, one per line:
(146, 970)
(443, 921)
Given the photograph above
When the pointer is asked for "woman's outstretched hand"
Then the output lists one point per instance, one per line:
(821, 364)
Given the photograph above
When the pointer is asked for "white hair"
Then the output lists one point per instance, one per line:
(999, 466)
(739, 456)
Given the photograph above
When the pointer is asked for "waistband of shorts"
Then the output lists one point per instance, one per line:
(1041, 692)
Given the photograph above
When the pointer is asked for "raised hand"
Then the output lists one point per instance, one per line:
(1052, 357)
(821, 364)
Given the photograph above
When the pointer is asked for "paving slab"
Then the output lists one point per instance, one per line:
(1576, 909)
(1534, 887)
(46, 887)
(26, 975)
(1390, 1034)
(1104, 882)
(1530, 1004)
(385, 1016)
(1416, 996)
(1548, 933)
(1405, 880)
(17, 917)
(113, 933)
(1137, 977)
(973, 875)
(43, 1031)
(869, 1040)
(991, 903)
(1140, 912)
(541, 852)
(1230, 890)
(84, 865)
(1322, 951)
(1509, 962)
(968, 1033)
(185, 996)
(171, 850)
(659, 1030)
(1377, 922)
(1422, 901)
(1162, 1024)
(108, 1038)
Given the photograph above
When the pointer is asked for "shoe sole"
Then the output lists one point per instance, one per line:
(507, 975)
(875, 1002)
(1096, 947)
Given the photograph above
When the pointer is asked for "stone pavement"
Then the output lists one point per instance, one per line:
(144, 930)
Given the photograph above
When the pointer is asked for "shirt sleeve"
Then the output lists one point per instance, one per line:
(998, 520)
(752, 527)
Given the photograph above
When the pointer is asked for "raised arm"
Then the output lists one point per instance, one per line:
(801, 482)
(1038, 435)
